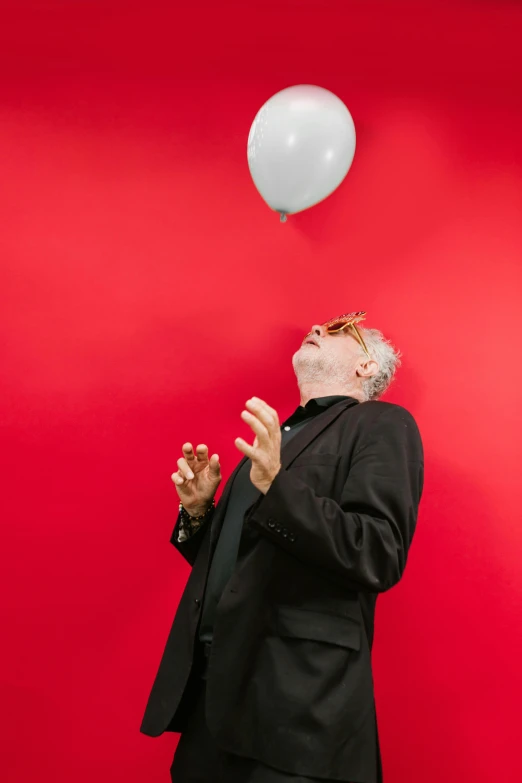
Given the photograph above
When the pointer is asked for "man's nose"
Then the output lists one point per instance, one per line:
(318, 330)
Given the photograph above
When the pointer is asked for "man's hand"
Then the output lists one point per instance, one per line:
(197, 478)
(265, 452)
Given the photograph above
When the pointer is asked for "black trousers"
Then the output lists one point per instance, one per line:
(198, 760)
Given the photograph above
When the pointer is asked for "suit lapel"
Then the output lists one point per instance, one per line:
(317, 425)
(219, 514)
(289, 452)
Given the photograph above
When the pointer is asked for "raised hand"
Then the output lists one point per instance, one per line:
(197, 478)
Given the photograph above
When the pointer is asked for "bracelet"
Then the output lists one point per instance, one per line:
(185, 514)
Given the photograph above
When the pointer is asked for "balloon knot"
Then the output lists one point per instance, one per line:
(283, 217)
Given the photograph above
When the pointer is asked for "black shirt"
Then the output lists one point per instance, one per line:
(242, 495)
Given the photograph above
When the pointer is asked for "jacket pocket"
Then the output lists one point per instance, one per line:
(291, 621)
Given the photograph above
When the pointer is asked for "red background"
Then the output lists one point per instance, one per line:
(146, 292)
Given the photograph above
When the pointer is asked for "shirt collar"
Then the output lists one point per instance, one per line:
(315, 406)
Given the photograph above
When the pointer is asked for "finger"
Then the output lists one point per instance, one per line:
(214, 465)
(264, 405)
(264, 412)
(188, 453)
(177, 479)
(202, 453)
(184, 469)
(259, 428)
(247, 450)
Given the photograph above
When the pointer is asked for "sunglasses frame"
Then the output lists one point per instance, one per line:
(348, 320)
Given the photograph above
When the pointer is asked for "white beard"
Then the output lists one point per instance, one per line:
(315, 365)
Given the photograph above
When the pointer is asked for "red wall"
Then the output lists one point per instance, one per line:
(146, 292)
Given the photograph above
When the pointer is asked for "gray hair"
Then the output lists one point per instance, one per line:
(386, 356)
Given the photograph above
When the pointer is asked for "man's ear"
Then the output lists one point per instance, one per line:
(367, 368)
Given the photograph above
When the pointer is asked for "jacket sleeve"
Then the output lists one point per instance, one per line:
(362, 541)
(189, 547)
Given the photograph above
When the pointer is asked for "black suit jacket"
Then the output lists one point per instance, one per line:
(290, 680)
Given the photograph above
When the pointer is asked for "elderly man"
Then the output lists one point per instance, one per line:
(267, 669)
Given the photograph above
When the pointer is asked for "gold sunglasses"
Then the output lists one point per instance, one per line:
(347, 320)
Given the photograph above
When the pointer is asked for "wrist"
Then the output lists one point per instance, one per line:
(197, 511)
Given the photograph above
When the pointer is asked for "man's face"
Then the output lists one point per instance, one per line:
(333, 358)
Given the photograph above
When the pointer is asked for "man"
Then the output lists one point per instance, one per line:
(267, 669)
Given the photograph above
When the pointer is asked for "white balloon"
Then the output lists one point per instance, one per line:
(300, 147)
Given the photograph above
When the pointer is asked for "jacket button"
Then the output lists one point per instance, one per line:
(271, 523)
(197, 601)
(278, 528)
(285, 533)
(291, 536)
